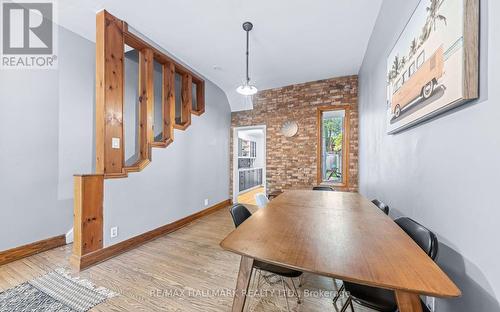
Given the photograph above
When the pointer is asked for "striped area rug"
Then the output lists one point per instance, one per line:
(56, 291)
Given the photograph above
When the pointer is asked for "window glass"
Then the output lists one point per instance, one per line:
(411, 71)
(332, 145)
(405, 76)
(397, 85)
(420, 59)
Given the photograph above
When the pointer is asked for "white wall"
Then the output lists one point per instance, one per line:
(443, 173)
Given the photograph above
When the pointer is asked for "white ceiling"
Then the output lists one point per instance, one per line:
(292, 41)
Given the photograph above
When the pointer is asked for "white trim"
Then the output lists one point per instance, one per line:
(235, 158)
(69, 236)
(248, 169)
(253, 188)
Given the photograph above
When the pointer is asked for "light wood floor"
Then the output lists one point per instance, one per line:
(249, 197)
(188, 260)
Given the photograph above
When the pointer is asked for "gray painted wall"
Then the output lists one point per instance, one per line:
(194, 167)
(46, 122)
(131, 107)
(443, 173)
(191, 169)
(47, 135)
(158, 111)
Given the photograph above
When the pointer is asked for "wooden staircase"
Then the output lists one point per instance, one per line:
(112, 34)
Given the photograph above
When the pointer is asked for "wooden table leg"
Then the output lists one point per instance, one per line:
(242, 283)
(408, 302)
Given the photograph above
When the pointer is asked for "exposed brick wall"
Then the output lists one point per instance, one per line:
(291, 162)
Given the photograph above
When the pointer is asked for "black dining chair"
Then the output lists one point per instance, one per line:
(323, 188)
(381, 205)
(384, 300)
(240, 214)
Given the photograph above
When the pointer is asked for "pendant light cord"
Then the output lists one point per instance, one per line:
(248, 77)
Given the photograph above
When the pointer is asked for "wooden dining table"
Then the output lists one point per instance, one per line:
(339, 235)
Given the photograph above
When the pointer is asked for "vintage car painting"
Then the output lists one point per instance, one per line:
(433, 65)
(418, 80)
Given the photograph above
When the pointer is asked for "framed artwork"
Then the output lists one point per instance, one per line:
(434, 65)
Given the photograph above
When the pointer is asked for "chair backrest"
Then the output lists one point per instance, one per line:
(239, 213)
(421, 235)
(382, 206)
(261, 200)
(323, 188)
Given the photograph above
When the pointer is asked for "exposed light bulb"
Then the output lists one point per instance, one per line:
(247, 89)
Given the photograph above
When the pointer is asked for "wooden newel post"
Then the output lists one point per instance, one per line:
(88, 217)
(109, 95)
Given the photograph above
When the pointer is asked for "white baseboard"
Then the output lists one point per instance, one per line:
(69, 236)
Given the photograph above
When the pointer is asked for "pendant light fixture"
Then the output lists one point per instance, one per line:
(247, 89)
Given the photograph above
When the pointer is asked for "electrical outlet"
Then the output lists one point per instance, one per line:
(115, 143)
(114, 232)
(206, 202)
(430, 302)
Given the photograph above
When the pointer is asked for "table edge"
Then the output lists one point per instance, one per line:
(457, 294)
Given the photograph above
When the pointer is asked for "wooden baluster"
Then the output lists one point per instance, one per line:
(187, 98)
(146, 99)
(168, 102)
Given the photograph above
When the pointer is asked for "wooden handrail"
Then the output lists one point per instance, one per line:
(138, 43)
(112, 36)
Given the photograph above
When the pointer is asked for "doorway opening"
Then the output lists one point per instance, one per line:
(249, 163)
